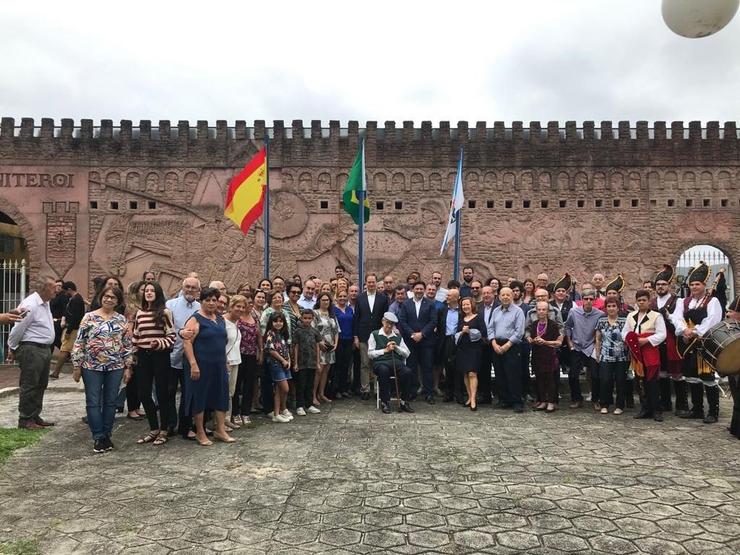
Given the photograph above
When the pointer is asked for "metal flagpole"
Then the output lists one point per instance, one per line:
(361, 233)
(458, 217)
(266, 217)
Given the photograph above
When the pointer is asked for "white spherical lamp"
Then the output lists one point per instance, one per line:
(698, 18)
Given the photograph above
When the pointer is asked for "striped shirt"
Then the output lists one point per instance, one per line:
(146, 330)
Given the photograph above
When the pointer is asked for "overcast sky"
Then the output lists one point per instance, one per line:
(528, 60)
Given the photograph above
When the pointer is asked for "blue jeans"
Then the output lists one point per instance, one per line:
(422, 357)
(101, 390)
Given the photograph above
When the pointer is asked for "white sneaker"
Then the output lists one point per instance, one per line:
(300, 411)
(587, 398)
(313, 410)
(271, 414)
(247, 420)
(287, 414)
(280, 418)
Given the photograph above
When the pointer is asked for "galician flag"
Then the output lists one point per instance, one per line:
(356, 182)
(458, 199)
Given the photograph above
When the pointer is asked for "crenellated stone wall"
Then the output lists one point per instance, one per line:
(121, 199)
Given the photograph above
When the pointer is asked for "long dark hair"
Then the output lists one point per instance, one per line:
(271, 320)
(317, 306)
(157, 305)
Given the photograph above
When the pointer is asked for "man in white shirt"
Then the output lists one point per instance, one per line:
(694, 316)
(308, 298)
(31, 341)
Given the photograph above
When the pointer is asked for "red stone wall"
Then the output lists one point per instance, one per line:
(97, 200)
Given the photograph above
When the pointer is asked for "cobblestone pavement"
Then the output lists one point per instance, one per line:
(351, 480)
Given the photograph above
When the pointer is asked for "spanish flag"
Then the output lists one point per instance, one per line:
(246, 197)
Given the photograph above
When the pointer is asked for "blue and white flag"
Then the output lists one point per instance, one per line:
(458, 199)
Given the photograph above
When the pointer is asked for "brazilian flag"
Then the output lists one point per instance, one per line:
(356, 182)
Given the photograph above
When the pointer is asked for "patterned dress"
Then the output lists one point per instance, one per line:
(329, 329)
(102, 345)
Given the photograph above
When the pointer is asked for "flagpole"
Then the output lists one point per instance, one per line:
(361, 231)
(266, 219)
(458, 217)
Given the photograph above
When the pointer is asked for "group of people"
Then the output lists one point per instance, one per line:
(286, 347)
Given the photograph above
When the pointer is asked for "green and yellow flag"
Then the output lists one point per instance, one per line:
(356, 182)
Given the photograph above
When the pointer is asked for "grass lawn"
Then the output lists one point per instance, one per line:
(20, 547)
(14, 438)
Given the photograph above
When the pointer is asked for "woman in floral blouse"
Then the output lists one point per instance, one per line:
(103, 356)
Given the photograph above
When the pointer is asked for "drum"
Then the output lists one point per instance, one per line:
(721, 348)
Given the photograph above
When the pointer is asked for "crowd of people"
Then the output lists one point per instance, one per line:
(288, 347)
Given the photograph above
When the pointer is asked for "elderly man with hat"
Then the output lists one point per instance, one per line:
(388, 352)
(670, 361)
(693, 317)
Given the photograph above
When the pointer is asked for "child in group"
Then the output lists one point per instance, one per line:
(306, 359)
(277, 357)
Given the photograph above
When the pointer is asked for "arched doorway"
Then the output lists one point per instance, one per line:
(13, 270)
(717, 260)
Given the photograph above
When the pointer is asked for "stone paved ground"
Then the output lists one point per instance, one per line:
(351, 480)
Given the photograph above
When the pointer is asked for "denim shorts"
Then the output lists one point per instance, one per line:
(277, 372)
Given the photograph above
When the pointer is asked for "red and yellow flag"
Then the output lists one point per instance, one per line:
(246, 197)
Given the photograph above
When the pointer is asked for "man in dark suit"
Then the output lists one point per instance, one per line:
(371, 305)
(447, 318)
(486, 308)
(417, 320)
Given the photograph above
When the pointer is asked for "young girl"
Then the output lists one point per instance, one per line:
(153, 339)
(277, 357)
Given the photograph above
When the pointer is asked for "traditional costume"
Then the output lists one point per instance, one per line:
(617, 284)
(670, 360)
(698, 315)
(645, 359)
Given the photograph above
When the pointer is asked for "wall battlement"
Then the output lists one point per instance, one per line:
(165, 144)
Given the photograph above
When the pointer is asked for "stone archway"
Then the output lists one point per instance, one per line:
(34, 256)
(716, 257)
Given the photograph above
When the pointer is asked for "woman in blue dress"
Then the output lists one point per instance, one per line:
(206, 376)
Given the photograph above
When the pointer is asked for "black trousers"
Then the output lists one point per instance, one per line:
(341, 366)
(185, 421)
(580, 360)
(735, 391)
(485, 391)
(246, 379)
(611, 374)
(453, 380)
(304, 379)
(509, 374)
(153, 367)
(406, 380)
(356, 370)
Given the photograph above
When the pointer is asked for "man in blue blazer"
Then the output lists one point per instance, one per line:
(417, 319)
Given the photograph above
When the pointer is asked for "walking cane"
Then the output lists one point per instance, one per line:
(395, 375)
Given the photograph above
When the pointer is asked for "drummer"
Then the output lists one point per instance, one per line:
(733, 315)
(693, 317)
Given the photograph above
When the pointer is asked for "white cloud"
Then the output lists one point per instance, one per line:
(529, 60)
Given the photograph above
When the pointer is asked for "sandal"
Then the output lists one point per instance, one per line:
(234, 424)
(148, 438)
(223, 439)
(161, 439)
